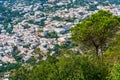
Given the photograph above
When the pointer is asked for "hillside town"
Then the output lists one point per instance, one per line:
(42, 29)
(28, 35)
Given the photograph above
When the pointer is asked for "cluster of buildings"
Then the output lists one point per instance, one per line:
(115, 9)
(27, 36)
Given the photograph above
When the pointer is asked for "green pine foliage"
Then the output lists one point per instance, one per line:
(96, 31)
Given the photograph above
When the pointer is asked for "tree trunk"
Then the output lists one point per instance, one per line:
(101, 53)
(97, 49)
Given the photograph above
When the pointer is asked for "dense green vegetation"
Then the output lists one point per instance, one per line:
(70, 65)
